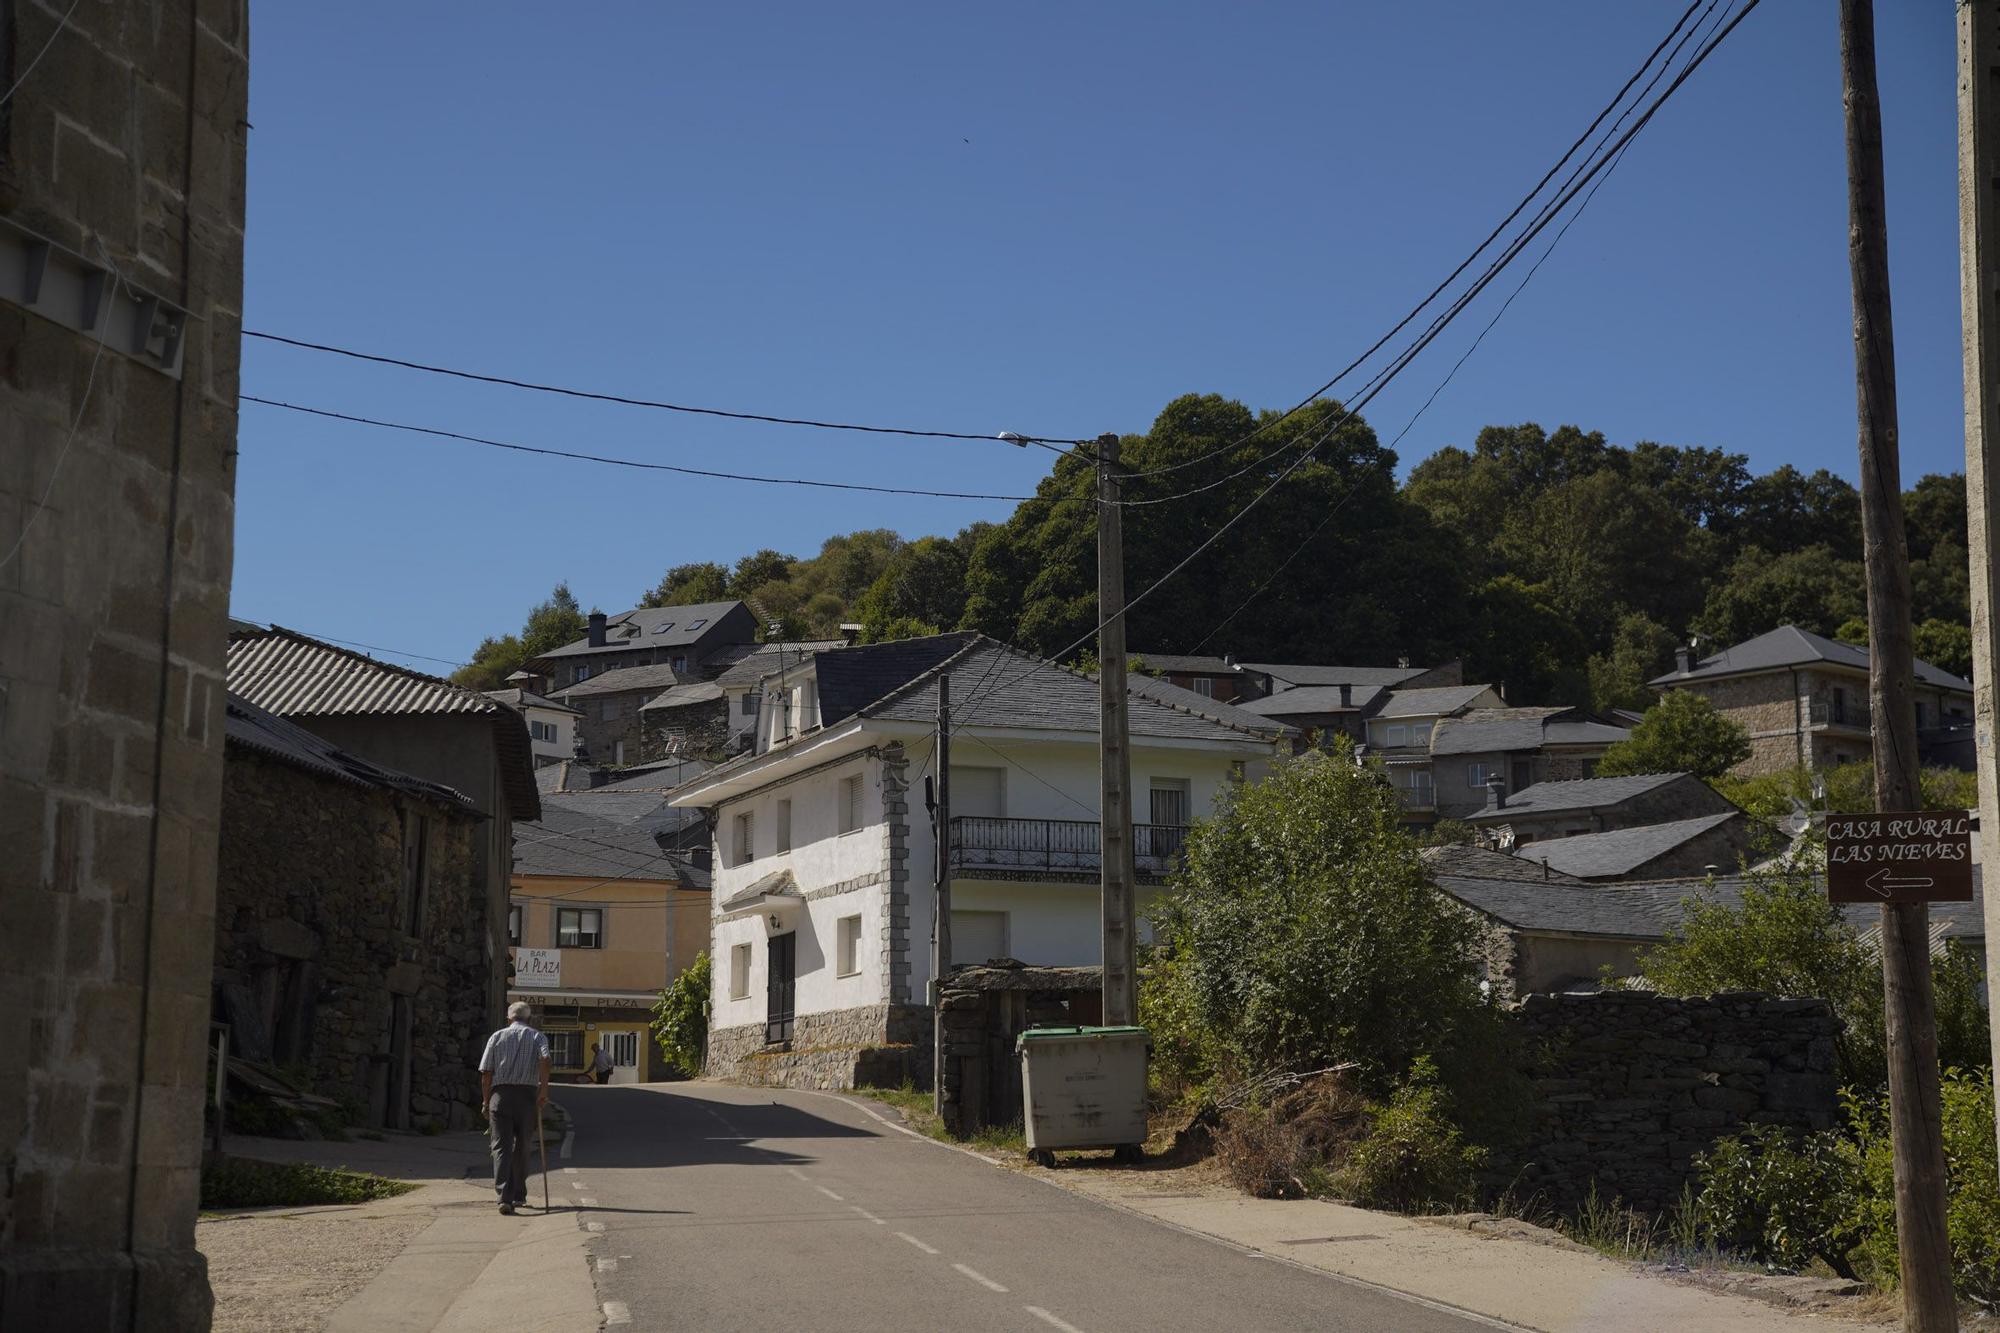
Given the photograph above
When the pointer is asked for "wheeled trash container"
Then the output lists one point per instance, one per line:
(1084, 1087)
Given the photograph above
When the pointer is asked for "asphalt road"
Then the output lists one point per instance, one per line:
(719, 1208)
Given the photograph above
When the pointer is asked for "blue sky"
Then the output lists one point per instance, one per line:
(1042, 218)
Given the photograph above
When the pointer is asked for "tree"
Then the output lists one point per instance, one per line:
(550, 624)
(1599, 543)
(924, 584)
(1640, 650)
(680, 1017)
(1945, 644)
(1682, 733)
(1813, 588)
(758, 568)
(1526, 644)
(1304, 931)
(690, 585)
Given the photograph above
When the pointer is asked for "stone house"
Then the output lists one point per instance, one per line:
(1804, 698)
(692, 718)
(552, 734)
(350, 925)
(742, 683)
(609, 727)
(1481, 750)
(824, 859)
(1399, 729)
(1720, 844)
(121, 241)
(1547, 810)
(416, 724)
(615, 907)
(681, 638)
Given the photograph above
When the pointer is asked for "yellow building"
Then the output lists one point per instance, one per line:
(600, 920)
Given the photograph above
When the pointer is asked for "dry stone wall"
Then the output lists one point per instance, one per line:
(1629, 1086)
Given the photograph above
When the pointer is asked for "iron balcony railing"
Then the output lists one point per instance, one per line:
(1845, 713)
(1066, 847)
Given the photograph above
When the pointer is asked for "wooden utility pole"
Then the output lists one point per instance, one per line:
(941, 898)
(1979, 301)
(1914, 1114)
(1114, 752)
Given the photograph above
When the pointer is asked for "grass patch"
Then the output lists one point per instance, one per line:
(915, 1104)
(238, 1183)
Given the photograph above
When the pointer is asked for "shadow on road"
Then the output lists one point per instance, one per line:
(647, 1127)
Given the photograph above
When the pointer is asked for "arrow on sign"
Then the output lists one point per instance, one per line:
(1885, 884)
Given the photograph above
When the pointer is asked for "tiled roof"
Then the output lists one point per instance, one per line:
(292, 675)
(1621, 851)
(1485, 863)
(654, 677)
(1582, 794)
(680, 696)
(1648, 910)
(1307, 699)
(648, 621)
(1433, 701)
(518, 698)
(1306, 673)
(753, 661)
(1486, 729)
(1788, 646)
(252, 728)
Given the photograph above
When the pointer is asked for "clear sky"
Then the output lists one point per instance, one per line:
(1042, 218)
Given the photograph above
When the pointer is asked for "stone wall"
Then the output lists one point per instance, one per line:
(1629, 1086)
(700, 728)
(879, 1045)
(124, 149)
(983, 1011)
(313, 965)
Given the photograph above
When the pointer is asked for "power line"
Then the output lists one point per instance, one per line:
(61, 24)
(377, 358)
(1463, 264)
(622, 462)
(375, 648)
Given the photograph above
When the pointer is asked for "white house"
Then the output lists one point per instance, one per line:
(551, 725)
(823, 888)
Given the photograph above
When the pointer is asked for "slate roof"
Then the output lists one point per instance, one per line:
(851, 679)
(1184, 664)
(1481, 730)
(758, 660)
(680, 696)
(518, 698)
(647, 620)
(653, 677)
(1434, 701)
(1647, 910)
(662, 775)
(1620, 851)
(252, 728)
(1485, 863)
(289, 674)
(1234, 715)
(1788, 646)
(1584, 733)
(1306, 673)
(1545, 798)
(1307, 699)
(569, 842)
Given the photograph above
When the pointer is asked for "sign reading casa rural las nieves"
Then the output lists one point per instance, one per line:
(1918, 856)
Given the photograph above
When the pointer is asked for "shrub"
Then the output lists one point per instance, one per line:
(232, 1182)
(1682, 733)
(1782, 1197)
(680, 1018)
(1413, 1157)
(1283, 1148)
(1972, 1184)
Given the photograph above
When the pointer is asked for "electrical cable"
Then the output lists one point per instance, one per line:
(1006, 437)
(373, 648)
(61, 24)
(623, 462)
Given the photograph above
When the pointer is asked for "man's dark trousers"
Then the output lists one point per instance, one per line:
(510, 1116)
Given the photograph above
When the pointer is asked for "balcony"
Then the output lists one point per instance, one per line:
(1056, 849)
(1852, 713)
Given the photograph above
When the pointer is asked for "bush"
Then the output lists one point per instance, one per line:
(1682, 733)
(1972, 1184)
(1782, 1197)
(1413, 1157)
(680, 1018)
(1282, 1149)
(236, 1183)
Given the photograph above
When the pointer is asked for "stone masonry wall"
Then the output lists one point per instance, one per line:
(124, 146)
(310, 903)
(1631, 1085)
(879, 1045)
(696, 729)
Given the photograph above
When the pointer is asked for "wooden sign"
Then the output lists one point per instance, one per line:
(1917, 856)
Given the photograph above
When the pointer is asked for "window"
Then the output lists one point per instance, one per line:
(750, 702)
(618, 753)
(680, 664)
(1839, 704)
(850, 803)
(1170, 802)
(582, 674)
(694, 625)
(662, 629)
(1524, 773)
(579, 928)
(416, 870)
(566, 1049)
(745, 830)
(622, 1047)
(1590, 768)
(514, 911)
(1920, 715)
(1204, 687)
(847, 945)
(739, 972)
(1394, 734)
(784, 829)
(1478, 775)
(1420, 733)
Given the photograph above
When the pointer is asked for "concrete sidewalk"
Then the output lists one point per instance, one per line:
(454, 1261)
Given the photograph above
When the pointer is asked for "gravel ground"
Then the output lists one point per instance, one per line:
(284, 1271)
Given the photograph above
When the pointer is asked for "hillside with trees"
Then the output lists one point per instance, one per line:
(1555, 562)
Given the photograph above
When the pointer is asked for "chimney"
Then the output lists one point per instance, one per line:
(1683, 659)
(1496, 794)
(1346, 695)
(851, 631)
(597, 629)
(1403, 663)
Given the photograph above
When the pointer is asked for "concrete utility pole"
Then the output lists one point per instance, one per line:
(941, 901)
(1915, 1119)
(1114, 751)
(1979, 301)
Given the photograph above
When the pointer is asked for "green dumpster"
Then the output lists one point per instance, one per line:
(1084, 1087)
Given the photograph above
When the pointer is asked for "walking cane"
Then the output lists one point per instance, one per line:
(543, 1144)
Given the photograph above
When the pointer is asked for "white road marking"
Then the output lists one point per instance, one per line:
(569, 1170)
(607, 1265)
(588, 1203)
(594, 1226)
(914, 1241)
(578, 1185)
(981, 1278)
(798, 1174)
(829, 1194)
(1061, 1324)
(870, 1216)
(617, 1312)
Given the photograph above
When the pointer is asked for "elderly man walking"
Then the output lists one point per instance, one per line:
(513, 1084)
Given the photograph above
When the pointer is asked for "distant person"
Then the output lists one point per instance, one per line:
(513, 1087)
(600, 1064)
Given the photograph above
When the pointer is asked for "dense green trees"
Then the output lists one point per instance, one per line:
(550, 624)
(1682, 733)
